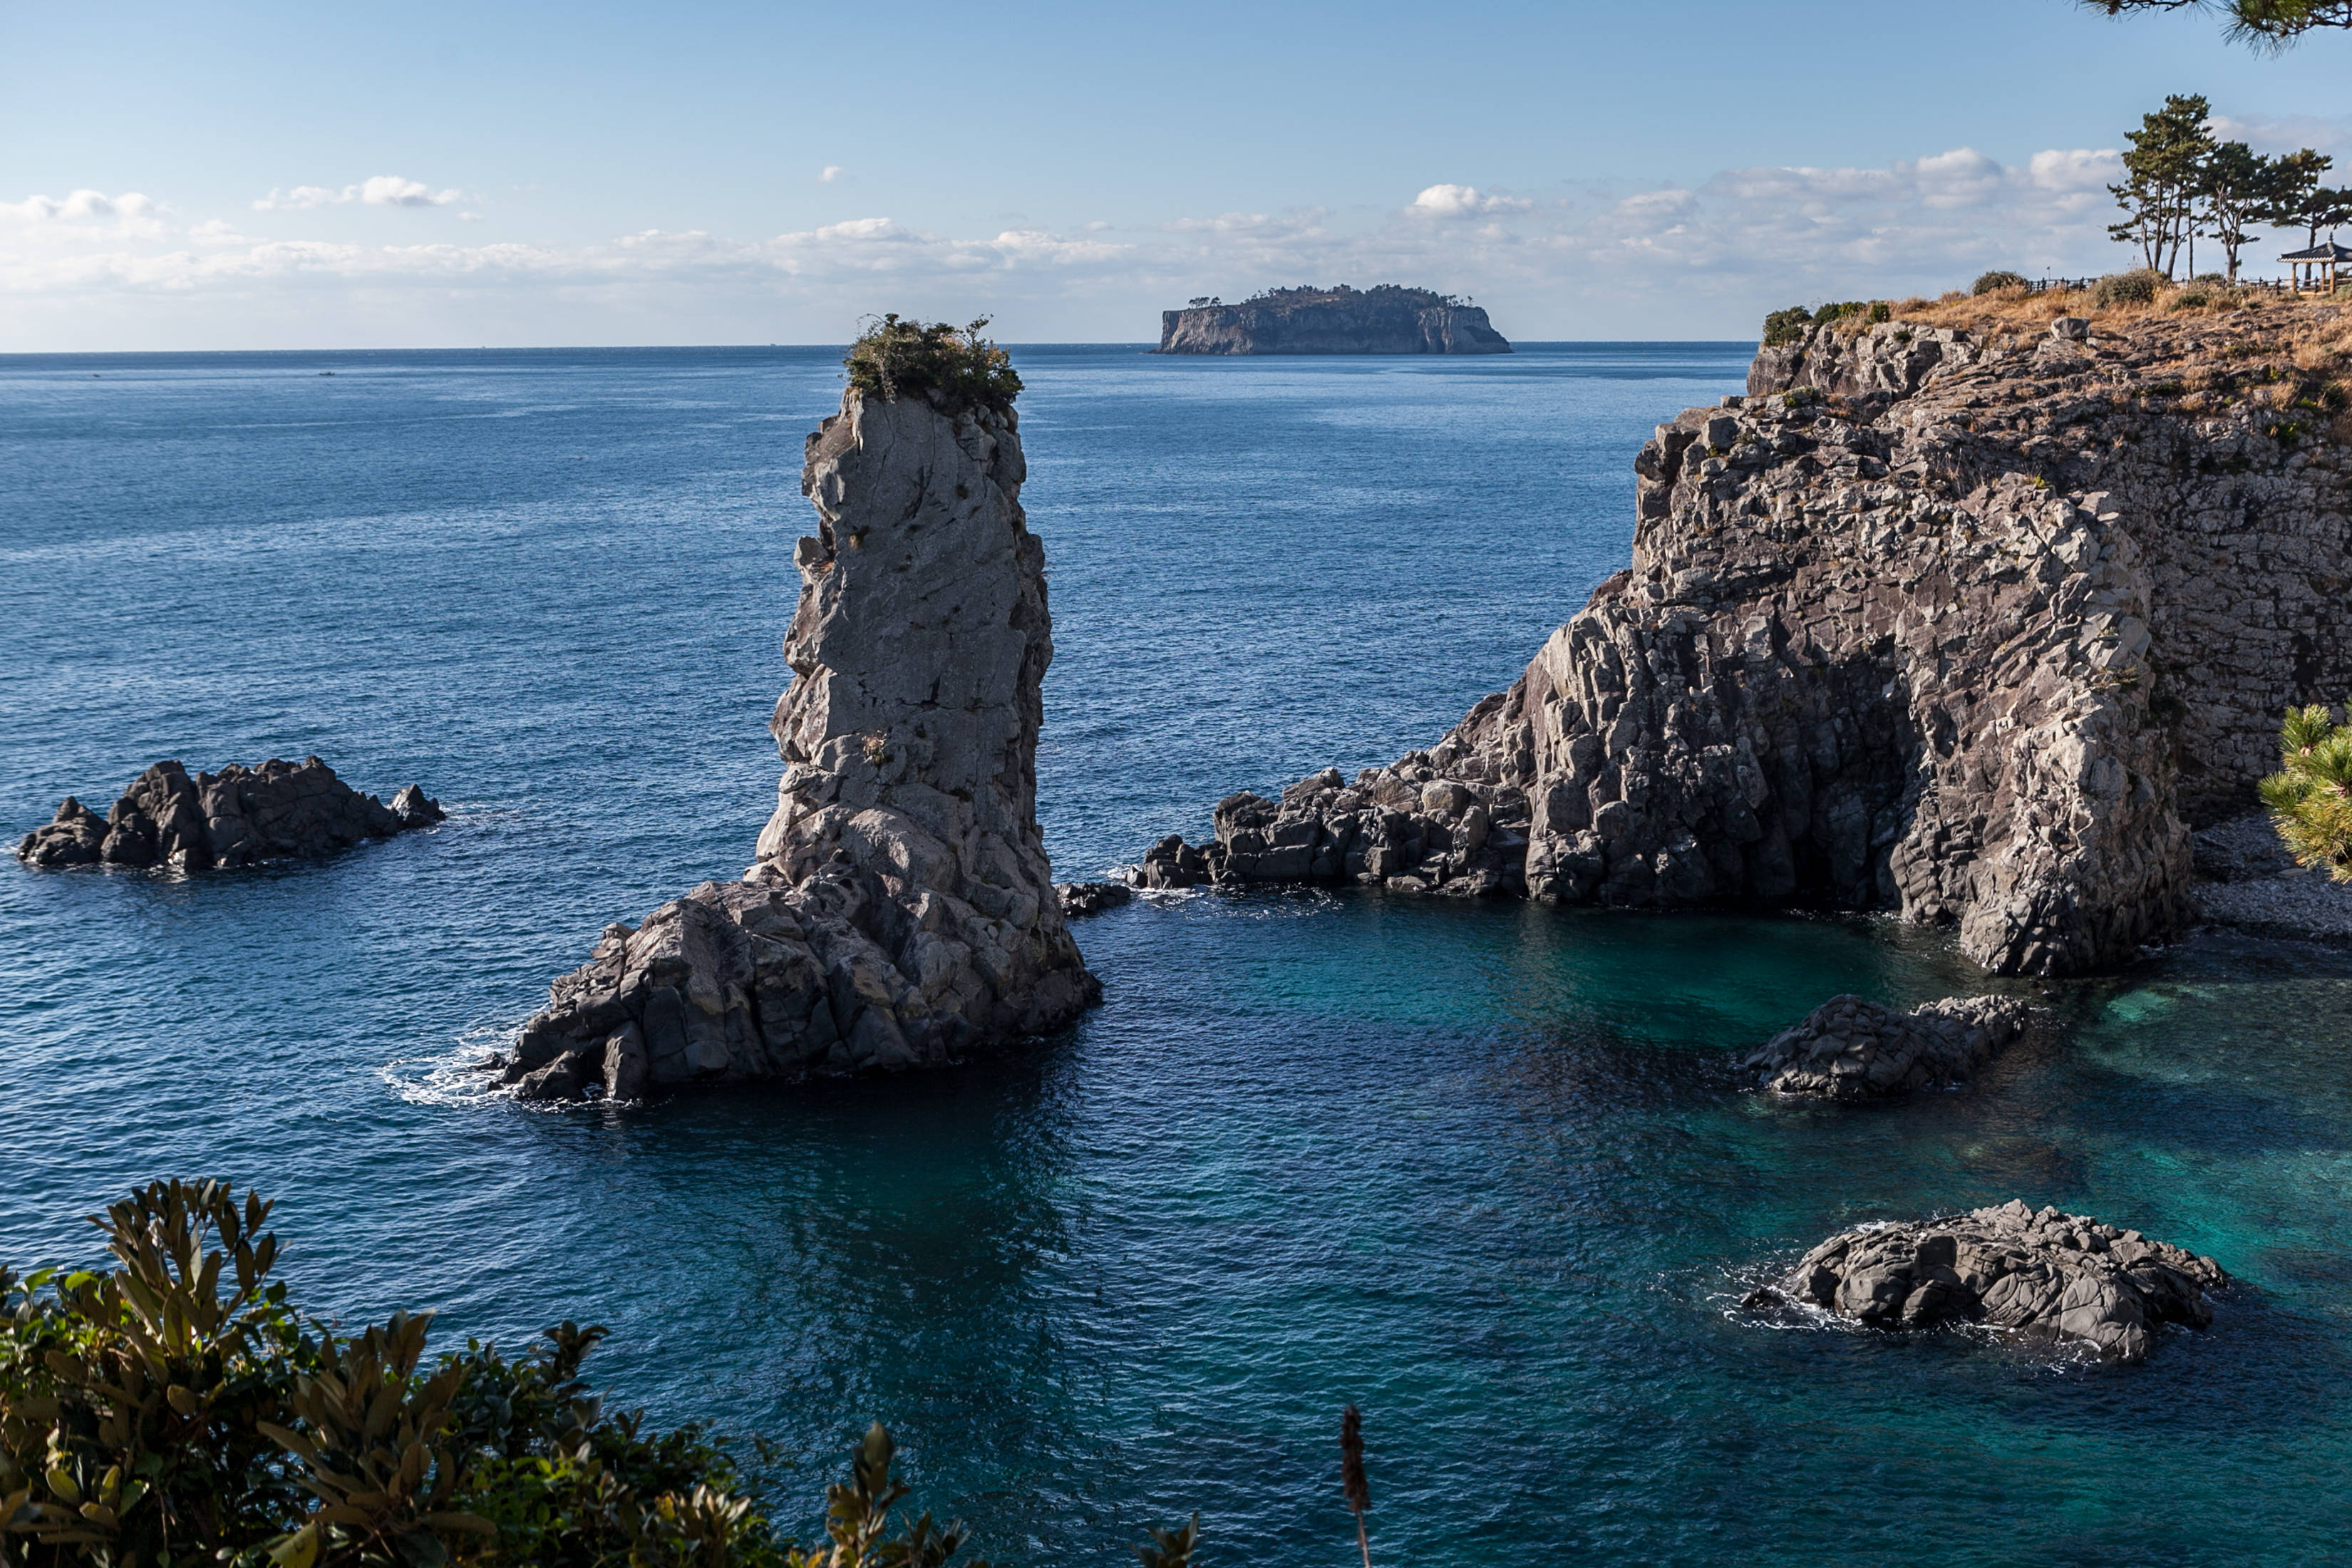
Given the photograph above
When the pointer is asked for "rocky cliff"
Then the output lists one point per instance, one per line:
(1343, 320)
(901, 910)
(1969, 621)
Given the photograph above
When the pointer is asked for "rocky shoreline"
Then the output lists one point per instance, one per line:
(1972, 624)
(237, 816)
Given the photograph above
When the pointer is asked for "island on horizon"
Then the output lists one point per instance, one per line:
(1386, 320)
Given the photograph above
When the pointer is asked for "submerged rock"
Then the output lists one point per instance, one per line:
(2049, 1275)
(237, 816)
(901, 911)
(1850, 1049)
(1966, 623)
(1091, 897)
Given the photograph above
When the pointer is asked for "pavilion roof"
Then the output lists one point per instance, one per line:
(2331, 251)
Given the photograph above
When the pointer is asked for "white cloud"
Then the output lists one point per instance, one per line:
(2285, 133)
(377, 190)
(829, 173)
(1701, 259)
(1464, 200)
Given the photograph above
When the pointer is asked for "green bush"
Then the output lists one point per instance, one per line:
(2310, 798)
(176, 1409)
(1997, 282)
(954, 367)
(1787, 326)
(2134, 288)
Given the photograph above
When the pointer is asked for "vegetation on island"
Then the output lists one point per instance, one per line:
(1343, 294)
(178, 1409)
(2269, 24)
(2310, 798)
(955, 368)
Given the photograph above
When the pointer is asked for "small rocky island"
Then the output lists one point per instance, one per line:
(1852, 1048)
(1386, 320)
(2051, 1277)
(237, 816)
(901, 911)
(1964, 615)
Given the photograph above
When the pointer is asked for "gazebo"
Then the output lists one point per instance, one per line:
(2320, 268)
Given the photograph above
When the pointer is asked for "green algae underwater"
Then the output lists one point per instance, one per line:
(1484, 1171)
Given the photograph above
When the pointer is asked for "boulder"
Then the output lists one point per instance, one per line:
(2048, 1275)
(1090, 898)
(239, 817)
(1850, 1049)
(901, 911)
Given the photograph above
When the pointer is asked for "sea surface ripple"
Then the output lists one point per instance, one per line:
(1482, 1170)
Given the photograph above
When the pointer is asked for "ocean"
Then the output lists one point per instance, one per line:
(1485, 1171)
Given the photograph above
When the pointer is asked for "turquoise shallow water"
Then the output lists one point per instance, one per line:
(1482, 1170)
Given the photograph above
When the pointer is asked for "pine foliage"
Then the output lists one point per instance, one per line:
(2310, 798)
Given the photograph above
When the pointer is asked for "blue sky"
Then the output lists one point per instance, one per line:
(280, 175)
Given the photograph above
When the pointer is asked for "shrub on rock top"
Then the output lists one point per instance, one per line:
(1997, 282)
(955, 367)
(2137, 287)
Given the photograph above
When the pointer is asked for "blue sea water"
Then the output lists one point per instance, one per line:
(1484, 1171)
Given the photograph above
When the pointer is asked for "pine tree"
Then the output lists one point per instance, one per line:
(2267, 23)
(2310, 798)
(2234, 184)
(2161, 175)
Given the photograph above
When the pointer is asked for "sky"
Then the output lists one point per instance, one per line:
(239, 175)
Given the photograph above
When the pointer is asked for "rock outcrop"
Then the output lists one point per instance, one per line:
(2047, 1275)
(1970, 624)
(1343, 320)
(237, 816)
(1850, 1049)
(901, 910)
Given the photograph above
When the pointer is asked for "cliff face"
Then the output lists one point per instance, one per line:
(901, 910)
(1968, 624)
(1332, 322)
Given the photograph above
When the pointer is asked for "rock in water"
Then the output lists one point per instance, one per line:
(2045, 1274)
(901, 910)
(1849, 1049)
(1091, 897)
(236, 818)
(1966, 623)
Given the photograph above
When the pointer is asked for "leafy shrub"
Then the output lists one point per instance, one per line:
(1880, 310)
(1998, 282)
(1783, 327)
(2310, 798)
(954, 367)
(2137, 287)
(1838, 310)
(176, 1409)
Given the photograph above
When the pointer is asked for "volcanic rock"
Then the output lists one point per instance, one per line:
(236, 818)
(1091, 897)
(2045, 1274)
(1968, 623)
(901, 911)
(1849, 1049)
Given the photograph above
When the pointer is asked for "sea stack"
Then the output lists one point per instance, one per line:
(1972, 621)
(1343, 320)
(901, 911)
